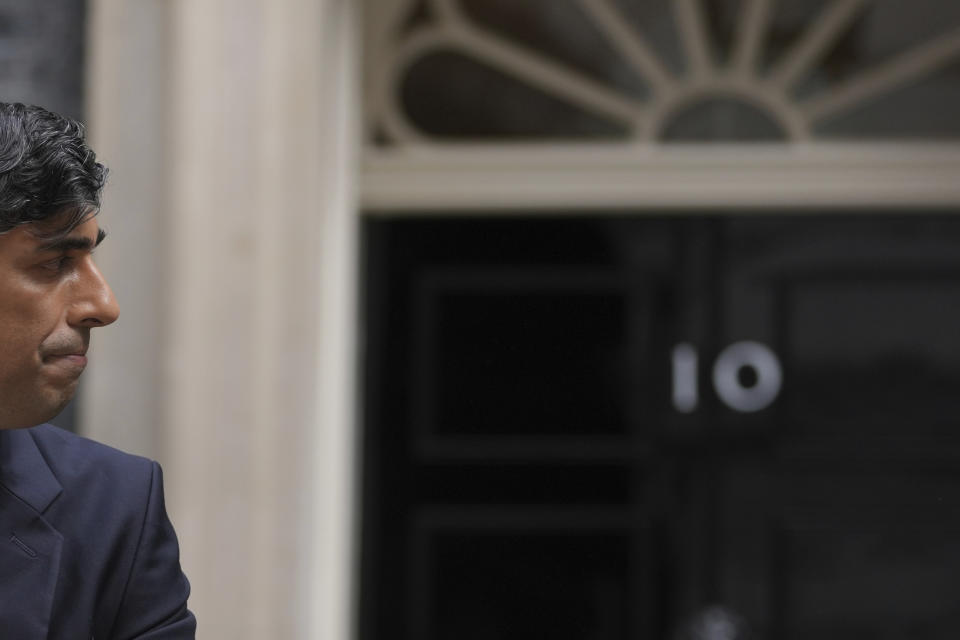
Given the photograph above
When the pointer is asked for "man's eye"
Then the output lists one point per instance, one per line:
(58, 265)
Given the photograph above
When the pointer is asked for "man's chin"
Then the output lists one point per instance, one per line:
(59, 403)
(42, 409)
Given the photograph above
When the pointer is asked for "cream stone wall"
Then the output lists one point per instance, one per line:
(230, 127)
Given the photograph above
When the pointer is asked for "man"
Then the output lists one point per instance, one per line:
(86, 548)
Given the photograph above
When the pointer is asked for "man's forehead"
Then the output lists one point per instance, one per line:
(71, 221)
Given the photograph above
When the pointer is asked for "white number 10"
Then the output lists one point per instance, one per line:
(726, 377)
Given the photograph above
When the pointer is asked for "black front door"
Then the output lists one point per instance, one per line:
(661, 427)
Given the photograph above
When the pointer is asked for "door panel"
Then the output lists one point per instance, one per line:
(823, 551)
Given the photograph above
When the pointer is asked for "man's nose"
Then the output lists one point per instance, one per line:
(94, 304)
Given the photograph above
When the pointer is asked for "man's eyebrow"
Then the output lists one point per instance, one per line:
(72, 243)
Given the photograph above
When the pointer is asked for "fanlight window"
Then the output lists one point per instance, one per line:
(665, 70)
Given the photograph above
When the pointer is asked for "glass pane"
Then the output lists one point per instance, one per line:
(653, 20)
(788, 22)
(450, 95)
(923, 105)
(924, 108)
(882, 31)
(560, 30)
(722, 120)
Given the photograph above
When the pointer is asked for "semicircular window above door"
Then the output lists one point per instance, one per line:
(663, 71)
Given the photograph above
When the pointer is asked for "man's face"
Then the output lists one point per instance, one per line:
(51, 295)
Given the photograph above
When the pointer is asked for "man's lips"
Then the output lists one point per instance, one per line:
(69, 364)
(65, 354)
(76, 358)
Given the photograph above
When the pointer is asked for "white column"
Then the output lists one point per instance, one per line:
(128, 123)
(243, 335)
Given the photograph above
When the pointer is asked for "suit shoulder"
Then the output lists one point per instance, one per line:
(72, 457)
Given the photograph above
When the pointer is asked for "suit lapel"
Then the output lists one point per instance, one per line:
(29, 546)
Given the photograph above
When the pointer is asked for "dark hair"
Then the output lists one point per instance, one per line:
(48, 174)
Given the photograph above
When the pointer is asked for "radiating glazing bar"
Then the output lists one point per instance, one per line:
(751, 31)
(631, 44)
(912, 65)
(693, 33)
(815, 42)
(554, 78)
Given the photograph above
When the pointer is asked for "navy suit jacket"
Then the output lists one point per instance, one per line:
(86, 548)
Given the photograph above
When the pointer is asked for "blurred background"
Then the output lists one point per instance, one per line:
(500, 319)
